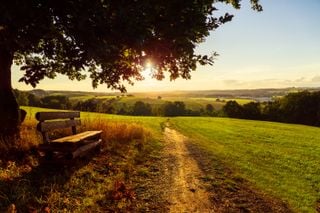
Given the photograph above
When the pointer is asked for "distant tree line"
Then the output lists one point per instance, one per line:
(51, 101)
(139, 108)
(111, 106)
(301, 108)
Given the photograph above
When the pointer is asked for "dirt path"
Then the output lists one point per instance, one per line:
(186, 178)
(186, 193)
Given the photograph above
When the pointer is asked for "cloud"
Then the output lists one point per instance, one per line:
(272, 83)
(300, 80)
(231, 82)
(316, 79)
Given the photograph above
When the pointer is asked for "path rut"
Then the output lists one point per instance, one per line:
(186, 193)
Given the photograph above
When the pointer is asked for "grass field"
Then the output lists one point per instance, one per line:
(280, 159)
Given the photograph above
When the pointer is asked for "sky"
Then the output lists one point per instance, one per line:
(276, 48)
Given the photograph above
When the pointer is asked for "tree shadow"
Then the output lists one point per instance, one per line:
(29, 191)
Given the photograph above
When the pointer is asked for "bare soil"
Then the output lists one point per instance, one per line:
(187, 193)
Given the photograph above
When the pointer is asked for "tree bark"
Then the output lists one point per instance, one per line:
(9, 108)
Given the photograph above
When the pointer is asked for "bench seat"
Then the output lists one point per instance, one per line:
(72, 142)
(78, 137)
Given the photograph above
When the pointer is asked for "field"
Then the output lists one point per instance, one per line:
(194, 100)
(279, 162)
(279, 159)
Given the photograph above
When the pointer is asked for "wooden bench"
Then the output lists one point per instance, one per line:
(71, 146)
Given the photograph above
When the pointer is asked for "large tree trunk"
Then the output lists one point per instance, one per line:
(9, 109)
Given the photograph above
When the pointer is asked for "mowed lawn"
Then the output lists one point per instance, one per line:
(282, 160)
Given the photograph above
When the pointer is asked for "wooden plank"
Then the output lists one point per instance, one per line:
(83, 150)
(49, 126)
(79, 137)
(58, 147)
(42, 116)
(63, 147)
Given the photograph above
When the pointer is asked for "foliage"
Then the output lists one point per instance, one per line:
(300, 107)
(271, 111)
(34, 100)
(233, 109)
(56, 102)
(110, 40)
(90, 105)
(177, 108)
(22, 97)
(113, 39)
(252, 111)
(141, 108)
(209, 108)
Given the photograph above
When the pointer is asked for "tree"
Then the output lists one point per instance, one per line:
(22, 97)
(302, 107)
(233, 110)
(56, 102)
(272, 111)
(252, 110)
(111, 40)
(176, 108)
(141, 108)
(209, 109)
(34, 100)
(90, 105)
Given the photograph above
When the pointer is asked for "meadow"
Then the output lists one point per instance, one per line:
(279, 159)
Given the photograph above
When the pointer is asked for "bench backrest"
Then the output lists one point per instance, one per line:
(49, 121)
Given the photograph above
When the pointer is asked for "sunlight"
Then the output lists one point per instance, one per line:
(147, 72)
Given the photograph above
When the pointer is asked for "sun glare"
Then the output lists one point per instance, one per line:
(147, 72)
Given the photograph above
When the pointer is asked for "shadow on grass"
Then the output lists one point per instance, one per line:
(29, 191)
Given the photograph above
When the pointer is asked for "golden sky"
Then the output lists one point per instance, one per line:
(279, 47)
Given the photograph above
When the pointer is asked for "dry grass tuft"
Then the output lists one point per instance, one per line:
(17, 148)
(118, 135)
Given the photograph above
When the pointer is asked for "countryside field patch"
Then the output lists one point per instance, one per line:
(280, 159)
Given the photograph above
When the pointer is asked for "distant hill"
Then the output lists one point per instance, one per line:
(256, 94)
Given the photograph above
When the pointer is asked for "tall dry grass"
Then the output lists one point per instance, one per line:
(116, 135)
(28, 185)
(16, 148)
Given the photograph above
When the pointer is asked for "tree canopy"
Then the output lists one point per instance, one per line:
(109, 40)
